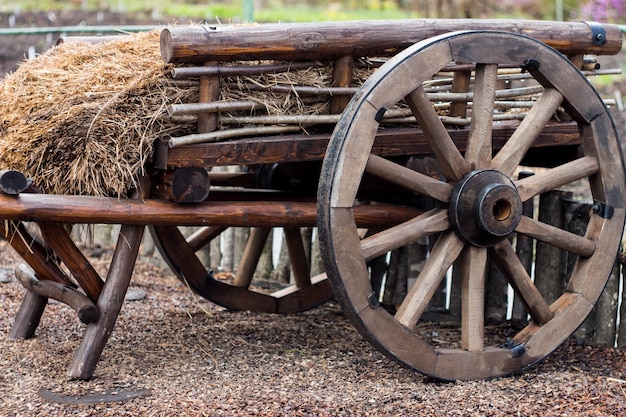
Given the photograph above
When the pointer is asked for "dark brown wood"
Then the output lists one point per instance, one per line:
(342, 77)
(33, 252)
(83, 306)
(28, 316)
(198, 44)
(13, 182)
(110, 210)
(61, 243)
(524, 248)
(460, 84)
(183, 185)
(297, 257)
(295, 148)
(241, 70)
(251, 256)
(189, 269)
(209, 91)
(109, 303)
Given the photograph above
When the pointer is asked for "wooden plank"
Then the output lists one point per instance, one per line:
(297, 148)
(327, 40)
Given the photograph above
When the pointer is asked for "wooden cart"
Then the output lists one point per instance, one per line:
(369, 200)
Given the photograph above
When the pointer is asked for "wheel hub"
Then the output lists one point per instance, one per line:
(485, 207)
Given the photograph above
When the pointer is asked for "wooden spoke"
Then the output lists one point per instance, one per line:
(203, 236)
(409, 179)
(557, 237)
(432, 221)
(444, 253)
(478, 152)
(250, 256)
(556, 177)
(510, 265)
(522, 139)
(450, 159)
(297, 256)
(473, 265)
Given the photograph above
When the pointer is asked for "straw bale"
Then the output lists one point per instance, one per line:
(81, 118)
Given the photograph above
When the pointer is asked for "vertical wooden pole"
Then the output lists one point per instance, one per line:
(460, 84)
(342, 77)
(109, 303)
(605, 315)
(209, 91)
(621, 337)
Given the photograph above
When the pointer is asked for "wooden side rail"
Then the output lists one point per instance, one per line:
(307, 41)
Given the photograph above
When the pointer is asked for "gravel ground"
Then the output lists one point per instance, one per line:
(182, 356)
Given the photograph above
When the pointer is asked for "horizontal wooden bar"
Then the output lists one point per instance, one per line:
(110, 210)
(326, 40)
(298, 147)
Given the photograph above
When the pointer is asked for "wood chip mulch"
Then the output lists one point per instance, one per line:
(172, 354)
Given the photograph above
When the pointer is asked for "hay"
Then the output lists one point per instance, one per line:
(82, 118)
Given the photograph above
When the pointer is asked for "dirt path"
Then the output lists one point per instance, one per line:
(198, 359)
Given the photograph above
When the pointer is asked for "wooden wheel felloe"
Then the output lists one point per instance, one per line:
(478, 204)
(180, 253)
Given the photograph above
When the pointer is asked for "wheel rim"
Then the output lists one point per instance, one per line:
(180, 255)
(348, 158)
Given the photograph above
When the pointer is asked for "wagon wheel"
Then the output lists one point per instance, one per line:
(479, 205)
(180, 253)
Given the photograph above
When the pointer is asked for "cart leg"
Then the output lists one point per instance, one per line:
(109, 303)
(28, 316)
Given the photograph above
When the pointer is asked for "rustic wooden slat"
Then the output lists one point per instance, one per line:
(473, 264)
(209, 91)
(460, 84)
(556, 177)
(509, 264)
(297, 148)
(324, 40)
(556, 236)
(342, 77)
(444, 253)
(478, 152)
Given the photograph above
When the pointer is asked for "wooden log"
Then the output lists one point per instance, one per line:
(28, 316)
(109, 304)
(240, 70)
(63, 246)
(327, 40)
(111, 210)
(82, 305)
(621, 339)
(605, 314)
(13, 182)
(183, 185)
